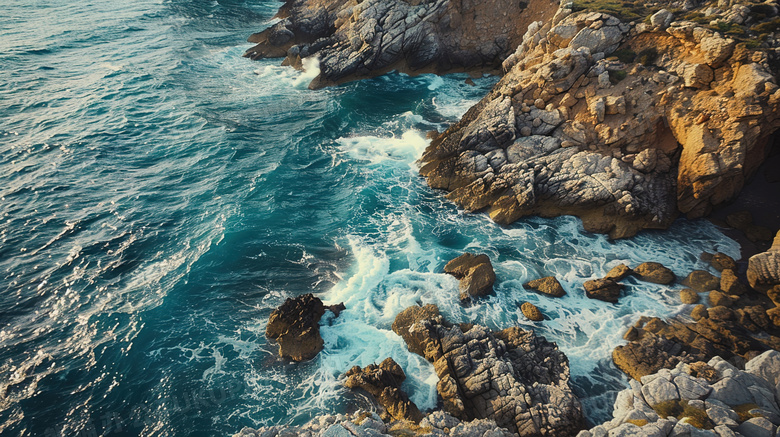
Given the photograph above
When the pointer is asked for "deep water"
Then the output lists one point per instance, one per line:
(160, 195)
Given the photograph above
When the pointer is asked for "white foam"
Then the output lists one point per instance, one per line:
(379, 150)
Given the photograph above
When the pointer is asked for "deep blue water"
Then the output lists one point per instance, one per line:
(160, 195)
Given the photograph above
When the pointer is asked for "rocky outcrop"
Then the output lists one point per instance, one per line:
(295, 327)
(383, 382)
(369, 424)
(764, 268)
(654, 272)
(513, 377)
(531, 312)
(548, 286)
(700, 399)
(677, 126)
(354, 39)
(603, 289)
(475, 273)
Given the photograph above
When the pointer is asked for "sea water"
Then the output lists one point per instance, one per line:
(160, 195)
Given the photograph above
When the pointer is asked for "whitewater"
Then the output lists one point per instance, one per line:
(160, 195)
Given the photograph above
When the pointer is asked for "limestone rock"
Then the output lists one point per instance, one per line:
(661, 18)
(763, 271)
(547, 285)
(513, 377)
(475, 273)
(654, 272)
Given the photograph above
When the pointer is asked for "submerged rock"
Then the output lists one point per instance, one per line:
(513, 377)
(295, 327)
(475, 273)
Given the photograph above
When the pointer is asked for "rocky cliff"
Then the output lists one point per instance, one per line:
(675, 124)
(354, 39)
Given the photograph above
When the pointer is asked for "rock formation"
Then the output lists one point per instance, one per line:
(475, 273)
(531, 312)
(383, 382)
(368, 424)
(700, 399)
(764, 268)
(354, 39)
(678, 125)
(295, 327)
(513, 377)
(603, 289)
(548, 286)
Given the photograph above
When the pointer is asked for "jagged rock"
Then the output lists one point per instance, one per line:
(475, 273)
(417, 337)
(355, 39)
(383, 382)
(603, 289)
(699, 312)
(698, 399)
(701, 281)
(730, 284)
(629, 154)
(654, 272)
(295, 327)
(513, 377)
(547, 285)
(618, 273)
(763, 270)
(661, 18)
(688, 296)
(531, 312)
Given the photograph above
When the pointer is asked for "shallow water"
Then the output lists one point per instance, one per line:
(160, 195)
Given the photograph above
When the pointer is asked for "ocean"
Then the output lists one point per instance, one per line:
(160, 195)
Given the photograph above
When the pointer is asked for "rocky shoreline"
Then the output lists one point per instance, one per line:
(625, 124)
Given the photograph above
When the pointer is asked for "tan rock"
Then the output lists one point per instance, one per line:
(729, 283)
(548, 285)
(618, 273)
(718, 298)
(701, 281)
(699, 312)
(688, 296)
(531, 312)
(475, 273)
(654, 272)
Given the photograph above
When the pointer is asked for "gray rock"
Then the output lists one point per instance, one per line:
(692, 388)
(757, 427)
(336, 430)
(661, 19)
(731, 392)
(660, 390)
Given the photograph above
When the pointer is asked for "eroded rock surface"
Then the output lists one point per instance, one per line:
(383, 381)
(700, 399)
(513, 377)
(764, 268)
(354, 39)
(624, 146)
(475, 273)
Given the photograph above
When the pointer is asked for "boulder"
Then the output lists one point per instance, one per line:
(548, 286)
(618, 273)
(730, 284)
(701, 281)
(654, 272)
(688, 296)
(763, 271)
(603, 289)
(383, 382)
(475, 273)
(513, 377)
(661, 19)
(295, 327)
(721, 261)
(531, 312)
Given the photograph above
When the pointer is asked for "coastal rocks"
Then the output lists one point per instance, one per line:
(383, 382)
(548, 285)
(701, 281)
(624, 145)
(475, 273)
(369, 424)
(356, 39)
(603, 289)
(700, 399)
(531, 312)
(654, 272)
(295, 327)
(513, 377)
(688, 296)
(764, 268)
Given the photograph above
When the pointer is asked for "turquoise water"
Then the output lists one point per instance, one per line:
(160, 195)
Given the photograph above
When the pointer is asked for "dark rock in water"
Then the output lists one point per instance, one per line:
(718, 298)
(295, 327)
(531, 312)
(384, 383)
(654, 272)
(618, 273)
(547, 285)
(513, 377)
(701, 281)
(475, 273)
(719, 261)
(763, 271)
(356, 39)
(603, 289)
